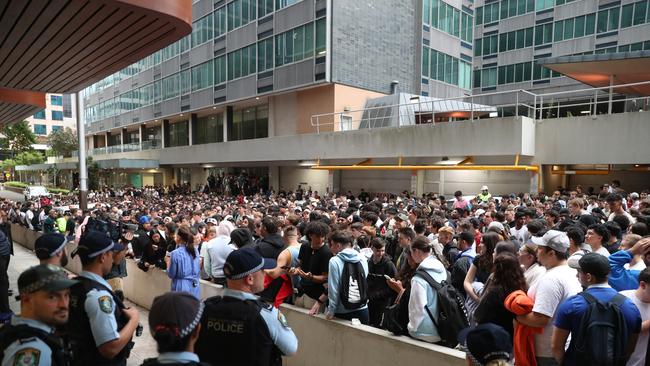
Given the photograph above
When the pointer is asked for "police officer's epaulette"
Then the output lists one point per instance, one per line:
(264, 304)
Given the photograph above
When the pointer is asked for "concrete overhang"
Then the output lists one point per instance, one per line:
(17, 104)
(64, 46)
(602, 69)
(103, 164)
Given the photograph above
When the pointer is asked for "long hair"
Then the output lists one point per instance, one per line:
(507, 275)
(490, 241)
(187, 237)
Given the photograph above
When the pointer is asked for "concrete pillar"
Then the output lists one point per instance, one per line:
(228, 125)
(414, 181)
(224, 119)
(198, 176)
(420, 178)
(106, 140)
(274, 178)
(190, 128)
(334, 181)
(122, 139)
(271, 117)
(141, 133)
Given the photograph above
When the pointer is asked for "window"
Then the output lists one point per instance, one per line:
(446, 68)
(56, 128)
(264, 7)
(467, 27)
(426, 11)
(559, 31)
(568, 28)
(294, 45)
(627, 16)
(465, 75)
(241, 12)
(478, 47)
(491, 13)
(184, 44)
(543, 34)
(321, 29)
(489, 77)
(279, 4)
(57, 115)
(520, 38)
(435, 10)
(185, 82)
(207, 129)
(40, 129)
(56, 100)
(242, 62)
(425, 62)
(265, 54)
(40, 114)
(220, 75)
(590, 24)
(640, 10)
(249, 123)
(220, 23)
(607, 20)
(543, 4)
(67, 106)
(479, 15)
(202, 76)
(528, 37)
(202, 30)
(178, 134)
(170, 51)
(579, 26)
(170, 86)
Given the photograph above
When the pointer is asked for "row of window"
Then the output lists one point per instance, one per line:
(41, 130)
(291, 46)
(56, 100)
(56, 115)
(448, 19)
(236, 14)
(514, 73)
(448, 69)
(581, 26)
(635, 14)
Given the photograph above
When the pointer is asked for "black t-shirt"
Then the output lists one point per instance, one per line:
(316, 262)
(481, 274)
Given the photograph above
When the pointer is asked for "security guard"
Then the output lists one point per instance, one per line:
(238, 328)
(100, 327)
(174, 322)
(29, 339)
(484, 196)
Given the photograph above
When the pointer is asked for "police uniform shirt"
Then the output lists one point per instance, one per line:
(100, 307)
(28, 351)
(279, 329)
(177, 357)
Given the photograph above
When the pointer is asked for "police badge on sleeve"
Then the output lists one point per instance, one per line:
(27, 357)
(106, 304)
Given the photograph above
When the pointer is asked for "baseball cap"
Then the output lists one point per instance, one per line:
(144, 220)
(595, 264)
(484, 188)
(467, 237)
(496, 224)
(479, 212)
(49, 245)
(485, 343)
(554, 239)
(242, 262)
(211, 220)
(44, 277)
(175, 312)
(95, 243)
(402, 216)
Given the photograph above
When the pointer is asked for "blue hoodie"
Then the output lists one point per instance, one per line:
(622, 279)
(334, 278)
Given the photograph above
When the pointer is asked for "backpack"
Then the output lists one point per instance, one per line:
(354, 286)
(602, 336)
(452, 316)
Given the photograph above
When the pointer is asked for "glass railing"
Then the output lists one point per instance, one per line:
(151, 145)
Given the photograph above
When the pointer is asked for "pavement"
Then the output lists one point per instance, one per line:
(145, 346)
(16, 197)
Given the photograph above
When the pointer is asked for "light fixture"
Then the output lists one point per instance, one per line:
(181, 114)
(494, 114)
(306, 162)
(214, 107)
(257, 98)
(636, 165)
(585, 112)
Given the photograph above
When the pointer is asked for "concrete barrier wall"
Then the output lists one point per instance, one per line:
(321, 341)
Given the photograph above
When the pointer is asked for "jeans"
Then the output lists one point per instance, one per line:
(4, 284)
(361, 314)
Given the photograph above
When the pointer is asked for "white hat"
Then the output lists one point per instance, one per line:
(497, 225)
(484, 188)
(479, 212)
(554, 239)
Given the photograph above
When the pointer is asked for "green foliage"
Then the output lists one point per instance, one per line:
(63, 142)
(58, 190)
(93, 174)
(16, 184)
(24, 158)
(17, 137)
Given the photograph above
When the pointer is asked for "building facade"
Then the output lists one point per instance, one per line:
(239, 94)
(60, 113)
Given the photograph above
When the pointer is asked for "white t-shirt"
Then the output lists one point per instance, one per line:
(555, 286)
(638, 356)
(533, 274)
(629, 217)
(602, 251)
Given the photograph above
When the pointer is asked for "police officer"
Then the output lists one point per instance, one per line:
(174, 320)
(29, 339)
(238, 328)
(50, 249)
(101, 327)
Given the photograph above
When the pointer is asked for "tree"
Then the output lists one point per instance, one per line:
(93, 174)
(18, 137)
(29, 158)
(63, 142)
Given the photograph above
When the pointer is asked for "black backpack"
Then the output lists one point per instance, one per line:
(452, 315)
(602, 336)
(354, 286)
(36, 222)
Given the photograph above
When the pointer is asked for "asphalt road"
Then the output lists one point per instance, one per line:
(11, 195)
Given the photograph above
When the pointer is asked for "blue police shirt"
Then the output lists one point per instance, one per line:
(177, 357)
(279, 329)
(569, 314)
(100, 307)
(29, 351)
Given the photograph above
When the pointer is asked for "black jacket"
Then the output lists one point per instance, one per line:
(377, 287)
(271, 246)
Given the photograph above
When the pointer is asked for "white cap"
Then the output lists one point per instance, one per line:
(554, 239)
(497, 225)
(479, 212)
(484, 188)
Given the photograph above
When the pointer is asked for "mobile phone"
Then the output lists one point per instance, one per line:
(388, 277)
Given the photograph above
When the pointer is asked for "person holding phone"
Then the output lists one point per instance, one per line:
(380, 269)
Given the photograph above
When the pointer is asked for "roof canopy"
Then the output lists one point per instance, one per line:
(596, 70)
(64, 46)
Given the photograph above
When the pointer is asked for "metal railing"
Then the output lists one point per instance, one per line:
(423, 110)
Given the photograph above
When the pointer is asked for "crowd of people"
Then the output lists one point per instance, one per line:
(525, 279)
